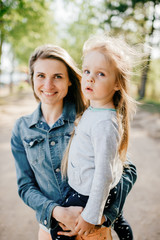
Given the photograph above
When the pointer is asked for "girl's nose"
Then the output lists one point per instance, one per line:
(90, 79)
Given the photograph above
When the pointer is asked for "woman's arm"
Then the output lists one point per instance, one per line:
(28, 189)
(123, 188)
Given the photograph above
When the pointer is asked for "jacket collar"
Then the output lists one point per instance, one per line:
(68, 114)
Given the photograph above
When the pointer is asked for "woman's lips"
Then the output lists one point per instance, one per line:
(49, 93)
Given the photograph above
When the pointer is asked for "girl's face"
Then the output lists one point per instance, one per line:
(51, 81)
(98, 79)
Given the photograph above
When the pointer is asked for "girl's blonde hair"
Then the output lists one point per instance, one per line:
(121, 56)
(49, 51)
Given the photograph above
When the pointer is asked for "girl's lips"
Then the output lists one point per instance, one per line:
(89, 89)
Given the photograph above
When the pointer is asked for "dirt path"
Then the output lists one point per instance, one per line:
(142, 207)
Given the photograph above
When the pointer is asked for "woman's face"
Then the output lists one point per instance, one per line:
(51, 81)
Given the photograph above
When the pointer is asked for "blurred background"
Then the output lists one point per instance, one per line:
(26, 24)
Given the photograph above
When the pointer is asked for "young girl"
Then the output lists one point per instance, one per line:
(97, 152)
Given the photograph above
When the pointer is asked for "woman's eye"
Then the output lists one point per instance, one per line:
(58, 76)
(40, 75)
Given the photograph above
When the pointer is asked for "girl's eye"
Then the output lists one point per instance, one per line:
(86, 71)
(101, 74)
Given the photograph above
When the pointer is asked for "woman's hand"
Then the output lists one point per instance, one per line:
(66, 216)
(83, 227)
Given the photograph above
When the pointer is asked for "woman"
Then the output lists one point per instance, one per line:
(40, 139)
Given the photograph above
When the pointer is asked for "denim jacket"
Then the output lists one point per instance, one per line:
(38, 151)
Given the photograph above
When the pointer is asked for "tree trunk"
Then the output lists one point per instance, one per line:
(1, 43)
(144, 78)
(142, 89)
(11, 76)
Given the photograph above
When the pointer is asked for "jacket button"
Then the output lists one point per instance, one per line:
(57, 170)
(30, 144)
(53, 143)
(45, 222)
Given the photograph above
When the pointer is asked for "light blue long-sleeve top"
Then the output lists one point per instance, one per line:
(94, 166)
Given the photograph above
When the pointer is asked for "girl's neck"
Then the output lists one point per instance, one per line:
(51, 113)
(97, 104)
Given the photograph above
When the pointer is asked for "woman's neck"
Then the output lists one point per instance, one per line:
(51, 113)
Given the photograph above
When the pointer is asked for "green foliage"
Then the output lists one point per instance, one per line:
(25, 24)
(153, 86)
(80, 29)
(134, 19)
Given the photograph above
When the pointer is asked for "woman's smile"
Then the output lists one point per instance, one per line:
(51, 81)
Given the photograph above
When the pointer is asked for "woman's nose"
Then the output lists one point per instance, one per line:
(48, 83)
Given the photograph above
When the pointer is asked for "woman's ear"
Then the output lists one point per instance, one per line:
(70, 84)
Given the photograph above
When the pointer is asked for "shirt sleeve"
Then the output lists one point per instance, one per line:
(105, 140)
(28, 188)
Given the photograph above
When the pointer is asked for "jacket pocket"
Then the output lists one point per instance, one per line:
(35, 150)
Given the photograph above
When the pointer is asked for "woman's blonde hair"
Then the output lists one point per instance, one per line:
(55, 52)
(121, 56)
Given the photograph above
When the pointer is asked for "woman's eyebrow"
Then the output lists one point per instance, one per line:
(58, 74)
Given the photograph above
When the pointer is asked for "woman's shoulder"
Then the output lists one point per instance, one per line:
(27, 120)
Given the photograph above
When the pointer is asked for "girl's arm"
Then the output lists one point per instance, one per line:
(105, 140)
(83, 227)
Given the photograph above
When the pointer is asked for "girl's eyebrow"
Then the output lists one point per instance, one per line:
(103, 69)
(99, 68)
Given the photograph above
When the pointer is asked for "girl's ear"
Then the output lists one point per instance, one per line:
(116, 87)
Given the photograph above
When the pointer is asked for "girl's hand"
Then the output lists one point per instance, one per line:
(83, 227)
(66, 231)
(67, 216)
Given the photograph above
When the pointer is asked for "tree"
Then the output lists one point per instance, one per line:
(137, 20)
(149, 26)
(24, 24)
(83, 24)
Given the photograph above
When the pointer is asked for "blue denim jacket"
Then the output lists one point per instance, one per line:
(38, 152)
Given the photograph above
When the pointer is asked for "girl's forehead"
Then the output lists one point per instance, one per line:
(96, 58)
